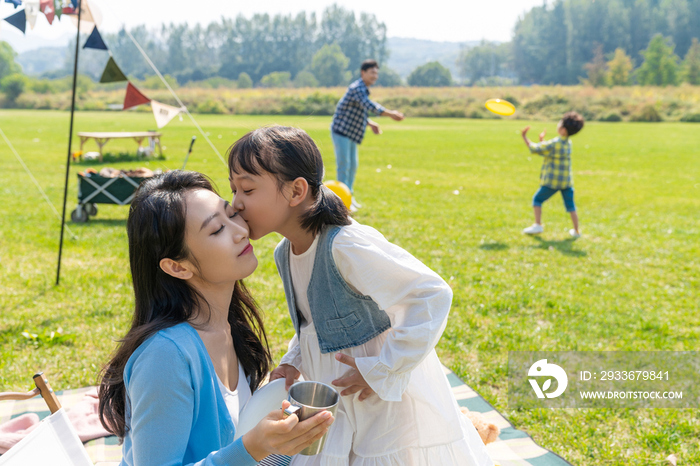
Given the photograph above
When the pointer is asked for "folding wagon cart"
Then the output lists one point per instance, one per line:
(95, 189)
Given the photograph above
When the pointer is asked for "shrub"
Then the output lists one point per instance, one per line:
(277, 79)
(216, 82)
(646, 113)
(244, 81)
(432, 74)
(154, 82)
(691, 118)
(511, 99)
(612, 116)
(314, 104)
(13, 85)
(543, 102)
(305, 79)
(211, 106)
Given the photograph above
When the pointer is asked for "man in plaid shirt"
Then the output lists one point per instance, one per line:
(556, 170)
(349, 123)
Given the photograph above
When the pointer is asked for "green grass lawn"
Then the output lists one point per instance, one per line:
(455, 193)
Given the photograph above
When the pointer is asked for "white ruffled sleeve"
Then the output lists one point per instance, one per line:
(293, 356)
(414, 297)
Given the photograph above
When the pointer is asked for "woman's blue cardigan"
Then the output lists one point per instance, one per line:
(175, 413)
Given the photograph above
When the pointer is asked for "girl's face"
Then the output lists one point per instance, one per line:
(259, 201)
(217, 238)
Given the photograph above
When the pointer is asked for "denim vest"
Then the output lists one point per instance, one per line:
(343, 318)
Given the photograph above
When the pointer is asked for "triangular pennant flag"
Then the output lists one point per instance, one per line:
(95, 41)
(58, 8)
(18, 20)
(31, 9)
(134, 97)
(47, 8)
(112, 73)
(90, 16)
(74, 3)
(16, 3)
(163, 113)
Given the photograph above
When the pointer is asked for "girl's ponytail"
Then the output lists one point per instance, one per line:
(327, 210)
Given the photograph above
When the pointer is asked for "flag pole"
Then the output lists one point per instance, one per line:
(70, 143)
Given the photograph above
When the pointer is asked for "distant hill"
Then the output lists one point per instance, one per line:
(42, 59)
(407, 54)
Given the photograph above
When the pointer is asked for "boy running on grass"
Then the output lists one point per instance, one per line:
(556, 170)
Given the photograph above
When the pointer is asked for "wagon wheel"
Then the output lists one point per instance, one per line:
(91, 209)
(79, 215)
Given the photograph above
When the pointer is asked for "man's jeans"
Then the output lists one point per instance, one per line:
(346, 159)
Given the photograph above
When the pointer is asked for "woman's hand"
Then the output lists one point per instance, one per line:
(277, 435)
(287, 372)
(353, 380)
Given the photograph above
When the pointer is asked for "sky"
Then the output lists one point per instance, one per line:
(442, 20)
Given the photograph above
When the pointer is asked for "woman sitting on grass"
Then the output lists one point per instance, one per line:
(196, 348)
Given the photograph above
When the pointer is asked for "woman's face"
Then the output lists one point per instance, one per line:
(217, 238)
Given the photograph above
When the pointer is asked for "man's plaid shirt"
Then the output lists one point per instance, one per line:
(350, 119)
(556, 166)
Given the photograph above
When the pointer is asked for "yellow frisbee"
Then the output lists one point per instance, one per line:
(500, 107)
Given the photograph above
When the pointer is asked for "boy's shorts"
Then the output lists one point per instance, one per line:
(546, 192)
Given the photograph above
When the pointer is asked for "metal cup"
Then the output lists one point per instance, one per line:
(312, 398)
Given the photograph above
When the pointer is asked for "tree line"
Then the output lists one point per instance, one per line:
(263, 49)
(604, 42)
(613, 42)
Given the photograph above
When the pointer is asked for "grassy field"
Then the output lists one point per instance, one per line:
(454, 192)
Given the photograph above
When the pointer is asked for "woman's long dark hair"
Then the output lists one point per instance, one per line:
(156, 230)
(289, 153)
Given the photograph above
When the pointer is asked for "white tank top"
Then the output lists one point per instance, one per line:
(236, 399)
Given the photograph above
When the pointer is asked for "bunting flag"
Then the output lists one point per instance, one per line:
(58, 8)
(163, 113)
(18, 20)
(90, 16)
(95, 41)
(134, 97)
(16, 3)
(112, 73)
(31, 9)
(46, 7)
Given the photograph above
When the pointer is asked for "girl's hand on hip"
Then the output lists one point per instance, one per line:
(353, 380)
(277, 435)
(287, 372)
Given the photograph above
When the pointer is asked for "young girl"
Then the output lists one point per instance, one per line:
(367, 314)
(196, 348)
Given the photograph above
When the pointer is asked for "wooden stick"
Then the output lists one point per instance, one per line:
(47, 392)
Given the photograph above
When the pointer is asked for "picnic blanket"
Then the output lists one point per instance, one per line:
(513, 447)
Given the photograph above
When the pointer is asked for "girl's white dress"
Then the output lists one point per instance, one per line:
(414, 419)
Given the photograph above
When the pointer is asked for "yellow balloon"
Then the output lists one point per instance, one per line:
(500, 107)
(341, 190)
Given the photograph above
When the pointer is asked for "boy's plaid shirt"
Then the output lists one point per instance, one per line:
(350, 119)
(556, 166)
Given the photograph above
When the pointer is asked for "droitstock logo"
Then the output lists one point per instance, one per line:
(543, 369)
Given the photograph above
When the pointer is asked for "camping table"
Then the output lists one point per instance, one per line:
(102, 138)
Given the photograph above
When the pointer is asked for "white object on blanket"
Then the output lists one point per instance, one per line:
(265, 400)
(54, 442)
